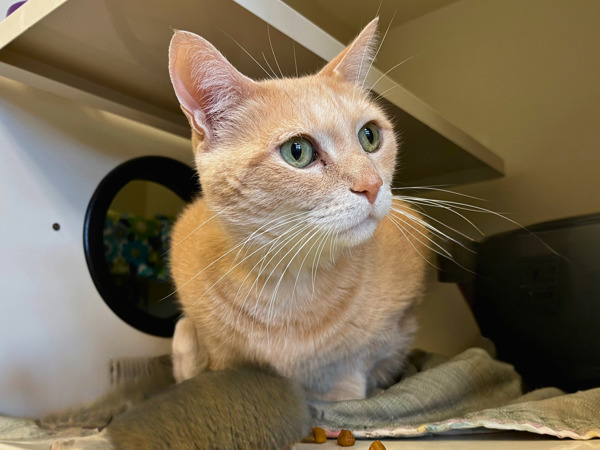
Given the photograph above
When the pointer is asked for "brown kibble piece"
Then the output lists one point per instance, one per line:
(317, 436)
(345, 439)
(320, 436)
(377, 445)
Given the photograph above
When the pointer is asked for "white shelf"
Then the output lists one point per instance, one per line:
(112, 54)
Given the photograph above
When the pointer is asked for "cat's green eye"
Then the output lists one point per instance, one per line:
(368, 136)
(298, 152)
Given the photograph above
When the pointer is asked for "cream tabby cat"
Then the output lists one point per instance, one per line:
(288, 259)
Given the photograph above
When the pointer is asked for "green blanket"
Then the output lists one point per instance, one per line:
(467, 393)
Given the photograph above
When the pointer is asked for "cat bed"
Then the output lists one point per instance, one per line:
(468, 393)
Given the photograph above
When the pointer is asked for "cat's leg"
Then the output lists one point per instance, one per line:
(189, 355)
(386, 372)
(348, 386)
(388, 363)
(98, 441)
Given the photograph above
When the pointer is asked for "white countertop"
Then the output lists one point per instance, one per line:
(493, 440)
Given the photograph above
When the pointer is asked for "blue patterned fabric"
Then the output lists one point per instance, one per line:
(137, 246)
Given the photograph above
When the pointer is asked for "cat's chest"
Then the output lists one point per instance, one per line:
(293, 323)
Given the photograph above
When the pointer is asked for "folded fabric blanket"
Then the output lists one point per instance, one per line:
(469, 392)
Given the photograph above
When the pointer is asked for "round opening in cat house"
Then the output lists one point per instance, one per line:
(127, 239)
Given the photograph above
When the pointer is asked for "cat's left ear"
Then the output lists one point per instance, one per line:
(353, 63)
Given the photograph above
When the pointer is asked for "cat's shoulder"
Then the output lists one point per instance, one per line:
(194, 214)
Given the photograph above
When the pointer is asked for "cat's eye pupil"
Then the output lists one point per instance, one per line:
(369, 137)
(296, 150)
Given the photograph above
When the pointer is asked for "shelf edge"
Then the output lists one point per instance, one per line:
(25, 17)
(98, 98)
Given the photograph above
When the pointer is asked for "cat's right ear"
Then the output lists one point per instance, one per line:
(205, 83)
(353, 63)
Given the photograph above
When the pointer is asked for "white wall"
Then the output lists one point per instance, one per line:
(56, 334)
(522, 78)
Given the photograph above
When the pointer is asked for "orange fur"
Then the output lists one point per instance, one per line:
(324, 287)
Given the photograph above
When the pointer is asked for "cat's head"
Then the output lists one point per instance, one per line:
(314, 153)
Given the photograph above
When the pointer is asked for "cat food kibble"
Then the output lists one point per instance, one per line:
(317, 436)
(345, 439)
(377, 445)
(320, 435)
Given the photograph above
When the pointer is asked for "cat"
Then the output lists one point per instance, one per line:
(242, 407)
(288, 259)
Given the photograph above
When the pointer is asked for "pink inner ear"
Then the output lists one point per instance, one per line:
(205, 83)
(183, 85)
(186, 89)
(196, 120)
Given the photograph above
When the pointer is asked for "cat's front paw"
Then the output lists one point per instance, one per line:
(98, 441)
(95, 417)
(189, 356)
(349, 386)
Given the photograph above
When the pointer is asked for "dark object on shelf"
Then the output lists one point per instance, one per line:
(536, 294)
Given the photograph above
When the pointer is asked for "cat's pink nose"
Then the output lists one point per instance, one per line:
(368, 185)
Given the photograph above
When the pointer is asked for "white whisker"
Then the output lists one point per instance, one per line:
(444, 253)
(437, 204)
(269, 65)
(275, 246)
(437, 189)
(433, 229)
(320, 253)
(454, 207)
(392, 68)
(283, 257)
(441, 249)
(376, 99)
(305, 240)
(232, 268)
(377, 52)
(300, 242)
(282, 220)
(317, 239)
(196, 229)
(378, 8)
(273, 50)
(227, 253)
(262, 269)
(405, 233)
(247, 53)
(295, 60)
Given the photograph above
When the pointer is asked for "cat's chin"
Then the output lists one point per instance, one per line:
(359, 233)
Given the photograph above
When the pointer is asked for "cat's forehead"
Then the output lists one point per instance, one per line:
(316, 103)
